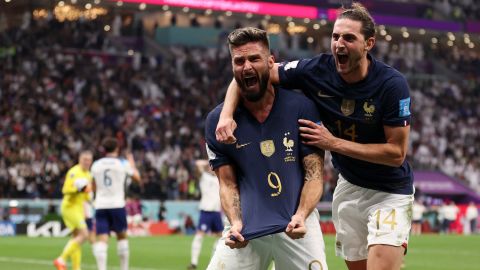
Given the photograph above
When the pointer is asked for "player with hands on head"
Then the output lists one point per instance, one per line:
(111, 174)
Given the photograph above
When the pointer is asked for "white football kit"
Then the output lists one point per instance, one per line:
(111, 175)
(210, 190)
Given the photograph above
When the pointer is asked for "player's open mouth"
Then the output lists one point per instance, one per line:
(342, 58)
(250, 80)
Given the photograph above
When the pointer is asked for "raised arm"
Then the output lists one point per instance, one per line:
(311, 192)
(136, 173)
(226, 125)
(230, 199)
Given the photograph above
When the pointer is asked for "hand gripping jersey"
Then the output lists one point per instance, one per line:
(268, 161)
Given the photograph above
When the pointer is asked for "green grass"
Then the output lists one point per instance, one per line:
(427, 252)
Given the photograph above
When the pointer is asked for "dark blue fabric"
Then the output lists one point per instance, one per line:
(107, 220)
(266, 209)
(357, 112)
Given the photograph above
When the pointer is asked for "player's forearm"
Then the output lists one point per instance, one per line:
(230, 198)
(389, 154)
(313, 187)
(232, 99)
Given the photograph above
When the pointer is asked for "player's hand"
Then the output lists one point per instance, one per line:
(225, 129)
(316, 135)
(234, 239)
(296, 228)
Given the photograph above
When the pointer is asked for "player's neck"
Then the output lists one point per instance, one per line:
(111, 155)
(261, 109)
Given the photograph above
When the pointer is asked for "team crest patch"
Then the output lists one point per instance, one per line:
(267, 148)
(404, 107)
(348, 106)
(368, 108)
(289, 144)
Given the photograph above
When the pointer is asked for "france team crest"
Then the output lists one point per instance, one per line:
(267, 148)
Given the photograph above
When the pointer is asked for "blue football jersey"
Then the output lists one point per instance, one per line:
(357, 112)
(268, 158)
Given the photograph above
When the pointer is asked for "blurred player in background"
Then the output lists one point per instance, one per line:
(365, 110)
(270, 183)
(76, 189)
(210, 220)
(417, 216)
(110, 174)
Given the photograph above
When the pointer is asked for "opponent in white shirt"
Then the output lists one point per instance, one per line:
(111, 174)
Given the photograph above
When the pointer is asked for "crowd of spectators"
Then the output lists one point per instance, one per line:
(62, 91)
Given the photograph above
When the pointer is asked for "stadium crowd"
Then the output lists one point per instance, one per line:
(62, 90)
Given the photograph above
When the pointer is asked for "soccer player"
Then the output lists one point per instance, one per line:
(365, 110)
(110, 174)
(210, 220)
(270, 182)
(75, 191)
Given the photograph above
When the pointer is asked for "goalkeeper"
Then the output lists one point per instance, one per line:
(75, 192)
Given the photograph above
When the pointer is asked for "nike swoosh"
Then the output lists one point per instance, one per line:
(381, 234)
(323, 95)
(238, 146)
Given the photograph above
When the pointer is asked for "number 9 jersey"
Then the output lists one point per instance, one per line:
(268, 159)
(111, 175)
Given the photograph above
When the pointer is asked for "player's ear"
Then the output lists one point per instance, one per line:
(271, 61)
(369, 43)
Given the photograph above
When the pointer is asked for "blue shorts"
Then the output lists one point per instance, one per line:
(210, 222)
(90, 225)
(107, 220)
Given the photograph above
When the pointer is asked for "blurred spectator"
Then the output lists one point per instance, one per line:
(471, 218)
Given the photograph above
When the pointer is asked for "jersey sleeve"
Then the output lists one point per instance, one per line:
(69, 184)
(215, 150)
(292, 73)
(309, 112)
(396, 102)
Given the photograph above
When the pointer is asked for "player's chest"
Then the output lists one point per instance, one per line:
(274, 141)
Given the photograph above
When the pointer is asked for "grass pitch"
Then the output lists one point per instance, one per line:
(427, 252)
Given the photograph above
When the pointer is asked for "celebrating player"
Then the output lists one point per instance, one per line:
(75, 191)
(266, 193)
(110, 174)
(365, 109)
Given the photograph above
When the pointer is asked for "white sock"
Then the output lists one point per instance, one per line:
(196, 248)
(100, 253)
(123, 253)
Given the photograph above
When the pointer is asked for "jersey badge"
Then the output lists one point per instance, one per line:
(267, 148)
(368, 108)
(404, 109)
(289, 144)
(290, 65)
(348, 106)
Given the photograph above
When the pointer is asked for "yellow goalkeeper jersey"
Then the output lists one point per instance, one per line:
(72, 198)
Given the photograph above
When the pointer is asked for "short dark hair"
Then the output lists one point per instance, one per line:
(242, 36)
(109, 144)
(357, 12)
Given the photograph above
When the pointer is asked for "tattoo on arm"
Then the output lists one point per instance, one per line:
(236, 205)
(313, 165)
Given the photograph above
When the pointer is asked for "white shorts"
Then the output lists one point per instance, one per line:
(365, 217)
(307, 253)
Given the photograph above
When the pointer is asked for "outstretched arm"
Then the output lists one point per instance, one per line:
(391, 153)
(226, 125)
(311, 192)
(230, 198)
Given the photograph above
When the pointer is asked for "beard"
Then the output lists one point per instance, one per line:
(254, 96)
